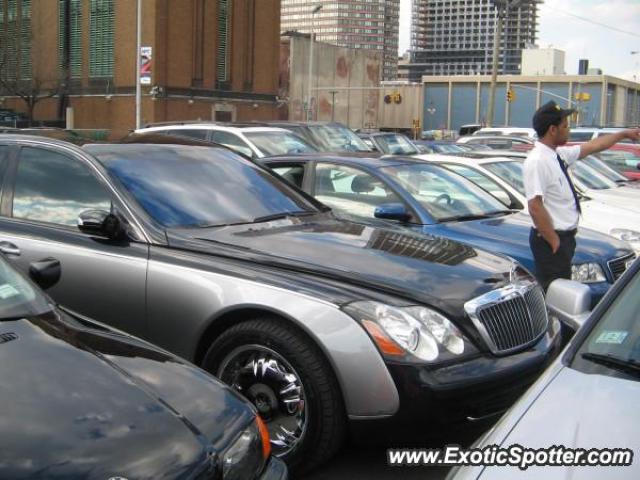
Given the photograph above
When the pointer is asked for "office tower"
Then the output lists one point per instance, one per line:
(455, 37)
(368, 24)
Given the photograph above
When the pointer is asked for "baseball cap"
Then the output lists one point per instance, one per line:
(549, 114)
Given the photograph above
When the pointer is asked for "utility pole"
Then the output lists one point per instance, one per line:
(138, 61)
(315, 10)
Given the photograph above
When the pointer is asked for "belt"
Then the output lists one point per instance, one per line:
(562, 233)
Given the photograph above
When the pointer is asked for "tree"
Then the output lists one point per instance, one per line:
(30, 90)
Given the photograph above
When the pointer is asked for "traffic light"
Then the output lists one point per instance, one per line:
(510, 95)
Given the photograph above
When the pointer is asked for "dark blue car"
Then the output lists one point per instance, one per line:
(431, 199)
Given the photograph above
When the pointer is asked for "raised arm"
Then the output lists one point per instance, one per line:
(605, 141)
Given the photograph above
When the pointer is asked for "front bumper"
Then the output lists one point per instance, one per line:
(274, 470)
(473, 391)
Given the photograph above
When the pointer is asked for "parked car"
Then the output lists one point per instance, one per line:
(325, 136)
(389, 143)
(624, 161)
(512, 131)
(589, 182)
(587, 399)
(439, 146)
(425, 198)
(499, 142)
(254, 142)
(316, 320)
(82, 400)
(503, 178)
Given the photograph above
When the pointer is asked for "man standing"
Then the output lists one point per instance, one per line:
(552, 199)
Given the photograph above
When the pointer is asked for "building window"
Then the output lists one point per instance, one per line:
(101, 22)
(15, 39)
(222, 50)
(75, 36)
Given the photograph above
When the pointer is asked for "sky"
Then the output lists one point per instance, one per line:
(606, 33)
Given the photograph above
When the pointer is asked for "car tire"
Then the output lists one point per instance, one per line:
(263, 357)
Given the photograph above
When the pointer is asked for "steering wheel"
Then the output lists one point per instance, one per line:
(443, 197)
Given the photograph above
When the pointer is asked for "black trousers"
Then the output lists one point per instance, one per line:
(549, 265)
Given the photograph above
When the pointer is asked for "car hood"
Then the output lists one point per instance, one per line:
(429, 269)
(576, 410)
(509, 235)
(624, 197)
(80, 403)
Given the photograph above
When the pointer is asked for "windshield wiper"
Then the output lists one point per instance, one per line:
(629, 365)
(479, 216)
(278, 216)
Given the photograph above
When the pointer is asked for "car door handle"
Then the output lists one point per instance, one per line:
(9, 248)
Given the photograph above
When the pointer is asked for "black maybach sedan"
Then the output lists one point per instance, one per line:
(80, 400)
(323, 324)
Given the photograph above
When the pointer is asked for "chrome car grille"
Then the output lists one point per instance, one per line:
(617, 266)
(510, 318)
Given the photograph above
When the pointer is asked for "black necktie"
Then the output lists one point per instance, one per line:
(563, 167)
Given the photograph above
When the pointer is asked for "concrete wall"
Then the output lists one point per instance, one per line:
(345, 82)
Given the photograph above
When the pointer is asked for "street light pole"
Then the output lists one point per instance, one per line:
(138, 60)
(315, 10)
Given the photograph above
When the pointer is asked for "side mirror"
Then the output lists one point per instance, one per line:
(392, 211)
(45, 272)
(101, 223)
(570, 301)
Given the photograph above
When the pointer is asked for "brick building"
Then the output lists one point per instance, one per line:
(209, 59)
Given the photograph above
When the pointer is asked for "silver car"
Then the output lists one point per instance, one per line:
(587, 399)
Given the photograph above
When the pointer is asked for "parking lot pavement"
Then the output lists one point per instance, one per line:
(357, 461)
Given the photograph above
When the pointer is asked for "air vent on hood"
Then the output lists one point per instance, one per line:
(7, 337)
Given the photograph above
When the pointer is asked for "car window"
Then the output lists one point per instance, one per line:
(445, 195)
(510, 172)
(589, 177)
(481, 180)
(51, 187)
(185, 186)
(232, 141)
(351, 191)
(199, 133)
(580, 136)
(4, 152)
(278, 143)
(396, 144)
(293, 174)
(603, 169)
(18, 298)
(615, 340)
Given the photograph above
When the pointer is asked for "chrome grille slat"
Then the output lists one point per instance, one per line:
(511, 321)
(617, 266)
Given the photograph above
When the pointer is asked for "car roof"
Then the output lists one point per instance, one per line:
(212, 126)
(347, 159)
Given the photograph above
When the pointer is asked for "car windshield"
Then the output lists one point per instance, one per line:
(620, 160)
(184, 186)
(448, 148)
(445, 195)
(510, 172)
(337, 138)
(590, 178)
(278, 143)
(580, 136)
(18, 298)
(396, 144)
(613, 346)
(603, 169)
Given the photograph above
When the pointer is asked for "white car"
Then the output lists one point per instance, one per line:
(587, 399)
(254, 142)
(502, 177)
(515, 131)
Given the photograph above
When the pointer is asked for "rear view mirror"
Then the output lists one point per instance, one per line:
(570, 301)
(101, 223)
(392, 211)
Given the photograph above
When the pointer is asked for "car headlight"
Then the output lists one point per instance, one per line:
(418, 331)
(246, 457)
(587, 273)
